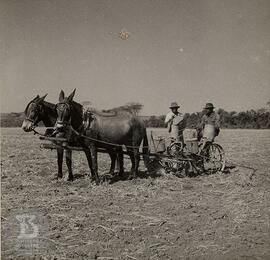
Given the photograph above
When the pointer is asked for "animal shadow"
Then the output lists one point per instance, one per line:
(127, 176)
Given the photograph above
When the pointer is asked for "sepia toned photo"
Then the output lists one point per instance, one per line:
(135, 129)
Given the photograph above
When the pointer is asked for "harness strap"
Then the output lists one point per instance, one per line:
(128, 146)
(30, 120)
(104, 142)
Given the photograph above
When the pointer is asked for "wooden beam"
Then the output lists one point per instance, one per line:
(59, 139)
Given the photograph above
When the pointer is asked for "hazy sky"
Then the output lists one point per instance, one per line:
(187, 51)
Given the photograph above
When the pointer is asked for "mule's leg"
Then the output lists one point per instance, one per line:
(137, 162)
(89, 160)
(131, 155)
(69, 164)
(113, 160)
(93, 150)
(60, 154)
(120, 158)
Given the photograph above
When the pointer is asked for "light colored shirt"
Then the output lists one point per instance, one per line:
(170, 116)
(175, 124)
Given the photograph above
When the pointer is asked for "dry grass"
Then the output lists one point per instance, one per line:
(221, 216)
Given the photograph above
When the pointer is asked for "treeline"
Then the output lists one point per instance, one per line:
(257, 119)
(11, 119)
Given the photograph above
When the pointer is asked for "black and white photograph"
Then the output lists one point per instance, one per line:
(135, 129)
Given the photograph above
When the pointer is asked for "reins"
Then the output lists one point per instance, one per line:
(104, 142)
(90, 138)
(37, 133)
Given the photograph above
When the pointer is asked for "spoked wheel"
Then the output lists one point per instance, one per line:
(214, 159)
(174, 166)
(175, 149)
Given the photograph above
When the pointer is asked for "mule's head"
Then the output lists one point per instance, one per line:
(64, 109)
(33, 113)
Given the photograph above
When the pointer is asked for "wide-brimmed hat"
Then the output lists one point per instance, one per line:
(209, 105)
(174, 105)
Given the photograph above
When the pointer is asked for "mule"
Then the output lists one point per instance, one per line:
(122, 129)
(39, 110)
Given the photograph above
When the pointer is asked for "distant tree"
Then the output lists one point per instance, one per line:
(86, 103)
(155, 121)
(134, 107)
(246, 119)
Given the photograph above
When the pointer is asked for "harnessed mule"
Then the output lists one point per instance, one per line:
(39, 110)
(124, 129)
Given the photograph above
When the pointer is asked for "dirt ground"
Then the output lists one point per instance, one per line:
(220, 216)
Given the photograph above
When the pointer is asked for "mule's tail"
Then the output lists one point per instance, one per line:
(146, 150)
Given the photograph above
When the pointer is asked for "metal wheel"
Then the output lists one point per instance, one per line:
(214, 159)
(173, 167)
(175, 149)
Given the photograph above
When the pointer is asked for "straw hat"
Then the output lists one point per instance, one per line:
(174, 105)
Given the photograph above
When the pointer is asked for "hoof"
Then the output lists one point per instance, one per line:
(132, 177)
(97, 181)
(70, 179)
(92, 179)
(112, 173)
(121, 174)
(57, 177)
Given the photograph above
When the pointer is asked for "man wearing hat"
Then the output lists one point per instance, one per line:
(209, 118)
(175, 122)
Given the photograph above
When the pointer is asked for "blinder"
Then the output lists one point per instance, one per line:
(63, 110)
(38, 109)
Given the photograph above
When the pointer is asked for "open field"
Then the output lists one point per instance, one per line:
(221, 216)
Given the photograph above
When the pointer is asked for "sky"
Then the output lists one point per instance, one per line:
(188, 51)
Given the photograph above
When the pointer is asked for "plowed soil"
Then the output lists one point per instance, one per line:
(219, 216)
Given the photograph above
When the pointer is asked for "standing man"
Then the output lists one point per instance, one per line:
(175, 122)
(209, 118)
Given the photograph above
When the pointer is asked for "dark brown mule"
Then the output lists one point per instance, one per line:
(69, 114)
(123, 129)
(38, 110)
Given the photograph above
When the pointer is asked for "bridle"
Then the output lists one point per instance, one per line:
(67, 109)
(37, 111)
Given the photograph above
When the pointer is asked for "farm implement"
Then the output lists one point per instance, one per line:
(188, 158)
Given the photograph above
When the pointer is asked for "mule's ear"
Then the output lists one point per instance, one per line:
(42, 98)
(61, 96)
(37, 97)
(71, 96)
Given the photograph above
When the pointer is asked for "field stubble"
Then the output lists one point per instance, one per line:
(220, 216)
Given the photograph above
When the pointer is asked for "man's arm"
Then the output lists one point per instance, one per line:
(217, 124)
(169, 118)
(201, 124)
(168, 121)
(217, 121)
